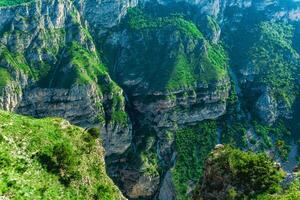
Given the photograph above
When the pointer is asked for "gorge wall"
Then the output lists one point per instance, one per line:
(163, 82)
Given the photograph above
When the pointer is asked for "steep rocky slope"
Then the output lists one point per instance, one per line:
(51, 159)
(174, 77)
(51, 68)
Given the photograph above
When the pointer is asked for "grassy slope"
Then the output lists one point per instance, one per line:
(51, 159)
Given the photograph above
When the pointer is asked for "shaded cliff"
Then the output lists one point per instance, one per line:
(174, 77)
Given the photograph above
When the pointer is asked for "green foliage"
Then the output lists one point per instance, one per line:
(86, 64)
(247, 172)
(4, 77)
(15, 60)
(149, 158)
(263, 131)
(234, 134)
(214, 63)
(138, 20)
(183, 59)
(86, 68)
(192, 146)
(12, 2)
(212, 68)
(212, 24)
(254, 171)
(182, 75)
(120, 117)
(51, 159)
(232, 194)
(290, 193)
(279, 131)
(275, 60)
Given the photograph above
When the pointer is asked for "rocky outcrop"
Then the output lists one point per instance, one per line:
(224, 171)
(103, 15)
(78, 104)
(11, 94)
(163, 112)
(82, 105)
(269, 109)
(167, 191)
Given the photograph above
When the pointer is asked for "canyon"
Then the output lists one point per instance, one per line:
(162, 81)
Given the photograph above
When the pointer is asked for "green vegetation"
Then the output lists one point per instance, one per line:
(15, 60)
(12, 2)
(212, 24)
(275, 60)
(182, 75)
(281, 134)
(119, 116)
(291, 193)
(234, 133)
(182, 59)
(253, 172)
(209, 68)
(213, 64)
(4, 77)
(149, 158)
(192, 146)
(239, 175)
(86, 64)
(138, 20)
(51, 159)
(86, 68)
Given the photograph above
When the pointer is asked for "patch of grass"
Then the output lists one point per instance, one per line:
(51, 159)
(149, 158)
(15, 60)
(138, 20)
(4, 77)
(182, 74)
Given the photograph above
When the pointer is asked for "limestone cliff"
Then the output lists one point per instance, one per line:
(52, 69)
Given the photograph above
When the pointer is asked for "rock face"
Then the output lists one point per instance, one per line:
(101, 15)
(167, 188)
(39, 45)
(178, 84)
